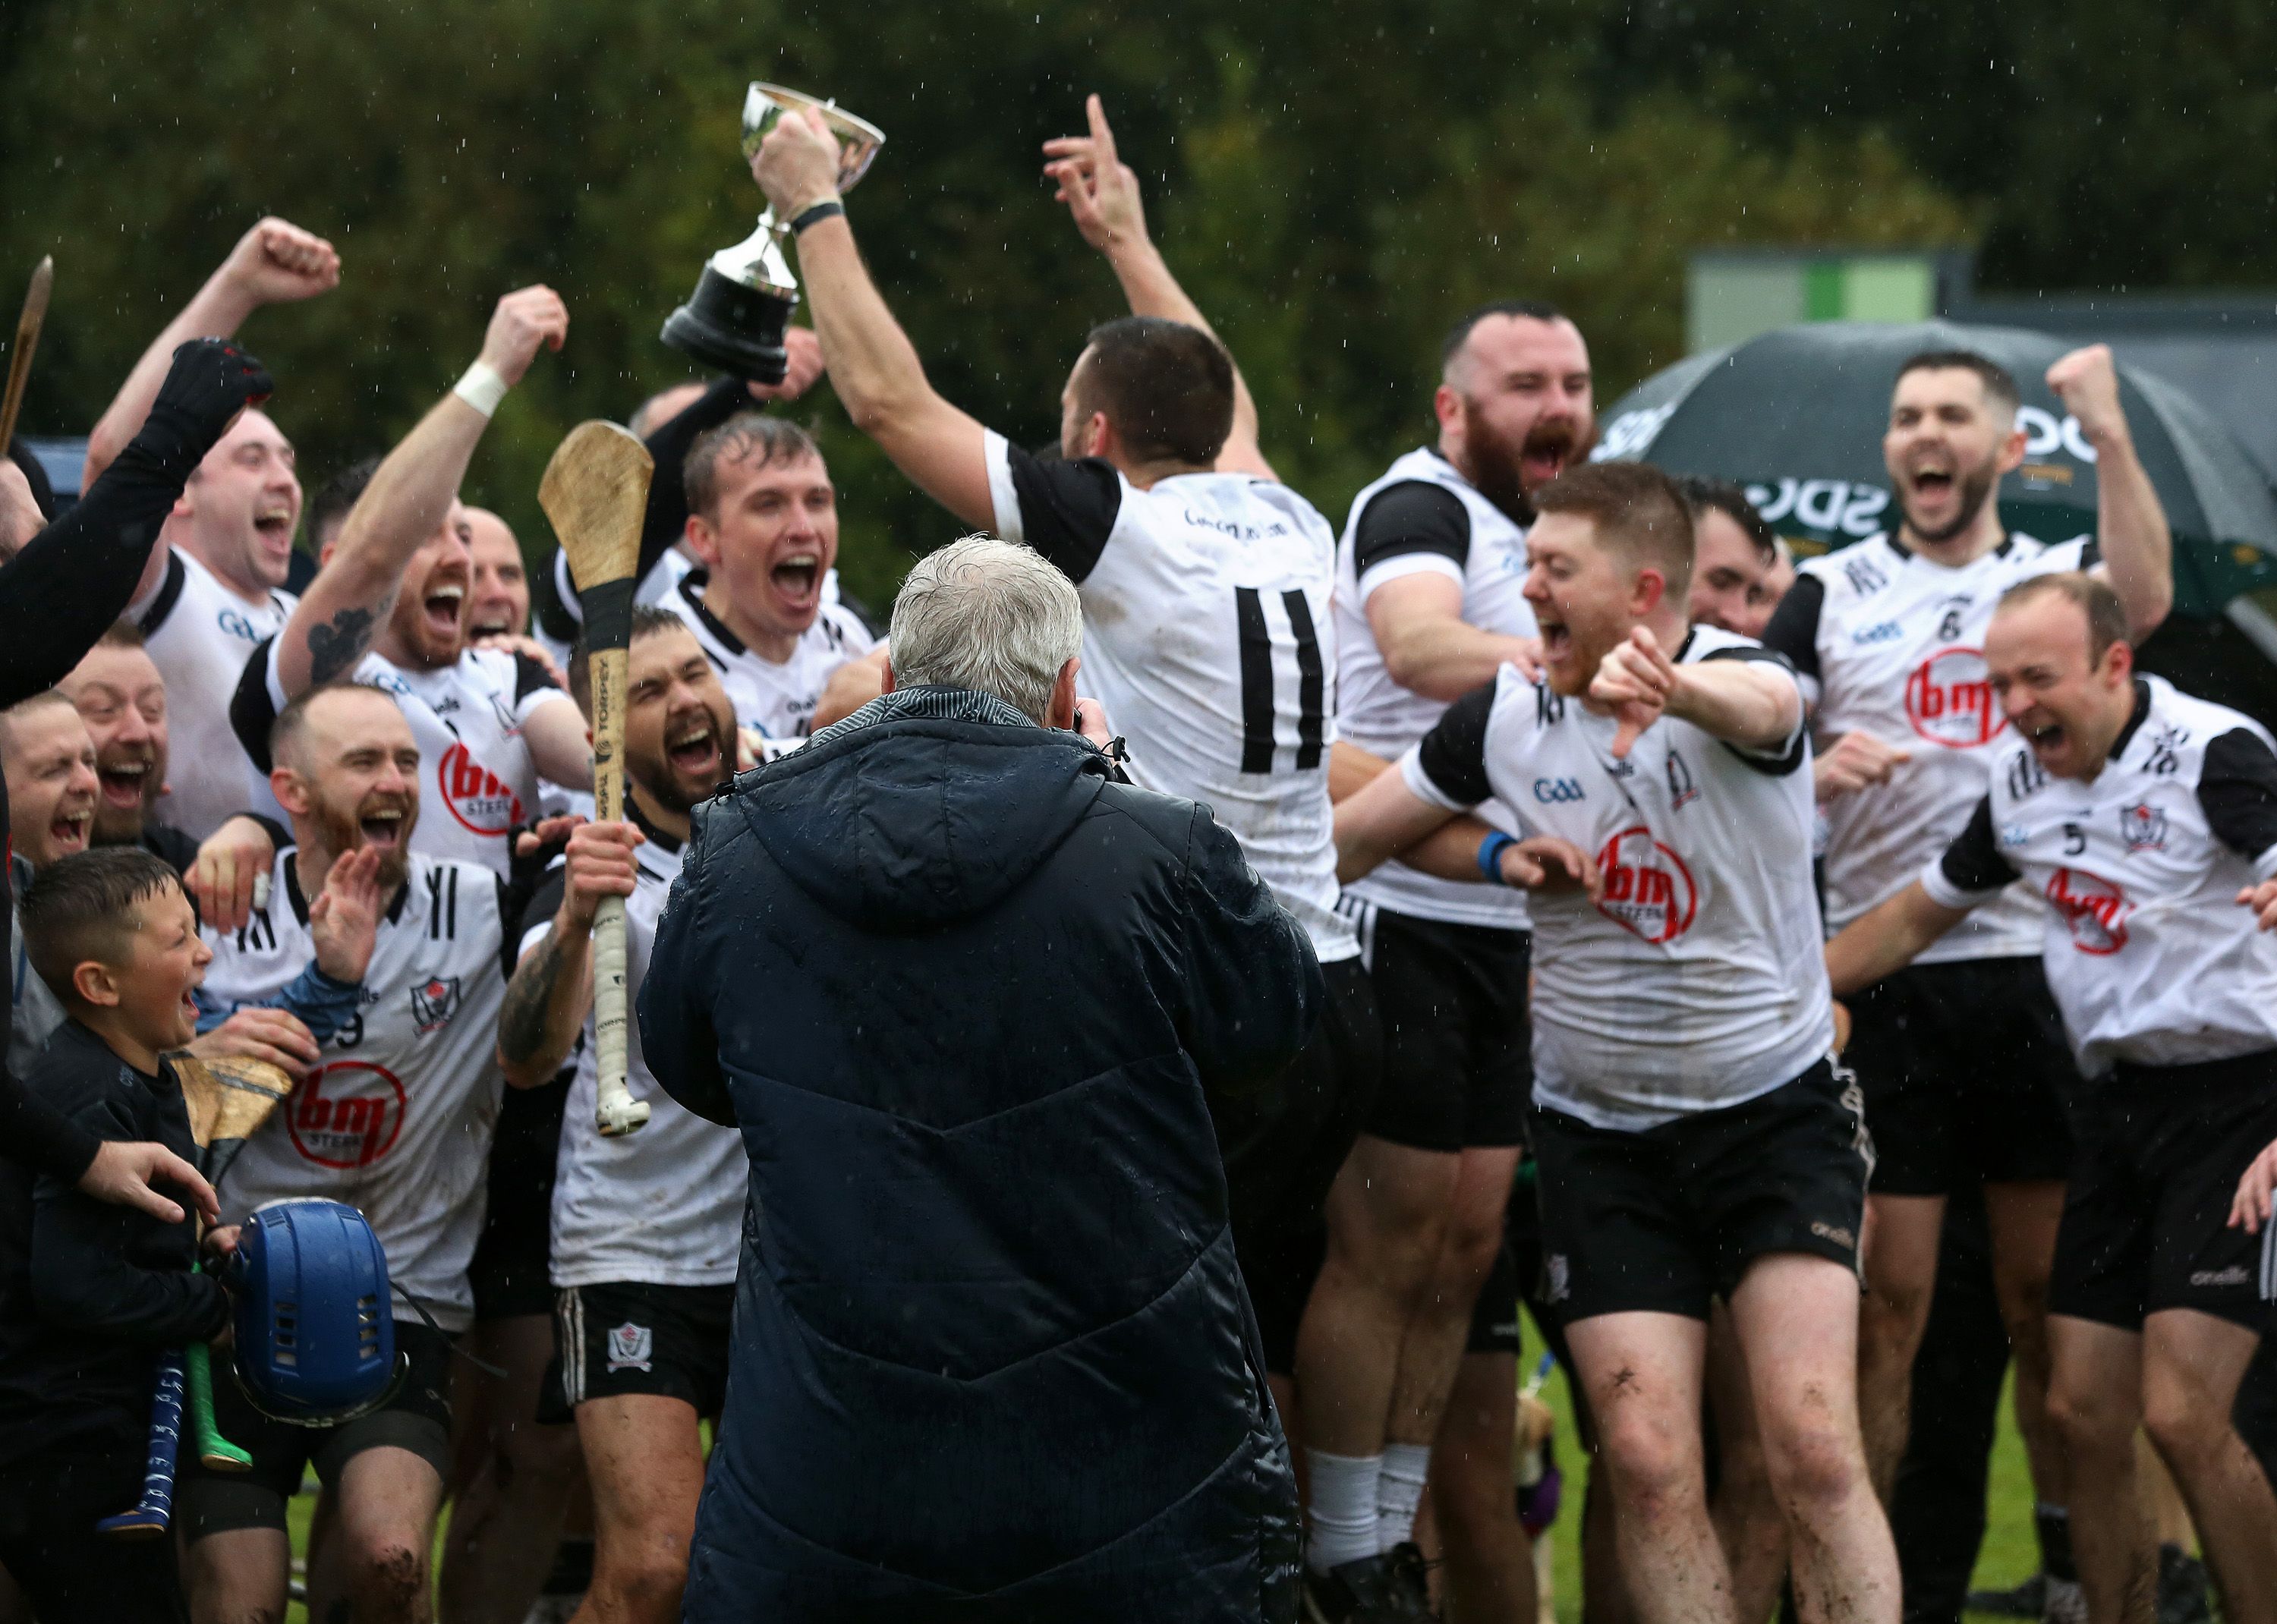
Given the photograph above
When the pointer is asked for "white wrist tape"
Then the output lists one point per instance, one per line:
(482, 388)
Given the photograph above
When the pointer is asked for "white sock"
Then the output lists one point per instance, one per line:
(1398, 1492)
(1342, 1510)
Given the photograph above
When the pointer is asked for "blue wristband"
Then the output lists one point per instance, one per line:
(1490, 851)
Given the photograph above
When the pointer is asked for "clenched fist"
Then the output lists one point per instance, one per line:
(525, 320)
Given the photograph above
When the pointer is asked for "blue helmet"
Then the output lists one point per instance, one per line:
(315, 1329)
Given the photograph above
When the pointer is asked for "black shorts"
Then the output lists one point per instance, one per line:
(1967, 1076)
(2146, 1219)
(418, 1418)
(1458, 1047)
(1664, 1220)
(508, 1273)
(1283, 1145)
(629, 1337)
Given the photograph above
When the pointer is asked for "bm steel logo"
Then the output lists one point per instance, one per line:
(1949, 700)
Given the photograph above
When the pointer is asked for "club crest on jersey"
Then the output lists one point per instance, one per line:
(2144, 827)
(2094, 908)
(1647, 889)
(1949, 700)
(433, 1002)
(347, 1113)
(631, 1347)
(477, 797)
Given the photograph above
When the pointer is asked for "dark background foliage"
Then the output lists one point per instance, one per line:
(1334, 180)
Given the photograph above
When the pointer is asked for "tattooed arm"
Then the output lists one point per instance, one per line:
(551, 991)
(407, 504)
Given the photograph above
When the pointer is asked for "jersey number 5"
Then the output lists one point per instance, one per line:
(1259, 681)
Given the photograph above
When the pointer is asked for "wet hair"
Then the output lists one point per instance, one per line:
(648, 620)
(776, 439)
(336, 499)
(989, 617)
(121, 635)
(2000, 391)
(2106, 616)
(1635, 508)
(1701, 494)
(1167, 388)
(28, 704)
(1459, 334)
(86, 905)
(292, 722)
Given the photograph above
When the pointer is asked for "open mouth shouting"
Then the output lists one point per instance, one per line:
(272, 521)
(1549, 449)
(70, 829)
(383, 826)
(796, 579)
(126, 779)
(440, 607)
(693, 748)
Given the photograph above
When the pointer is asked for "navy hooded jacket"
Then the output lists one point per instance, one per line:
(962, 991)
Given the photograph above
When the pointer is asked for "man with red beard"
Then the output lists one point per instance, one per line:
(644, 1230)
(217, 588)
(389, 610)
(1429, 607)
(1961, 1053)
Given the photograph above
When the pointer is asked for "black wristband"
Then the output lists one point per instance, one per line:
(823, 210)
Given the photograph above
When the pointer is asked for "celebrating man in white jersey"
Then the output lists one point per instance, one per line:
(1693, 1140)
(1961, 1056)
(1206, 587)
(1430, 603)
(2145, 821)
(396, 1121)
(646, 1227)
(763, 524)
(389, 610)
(216, 588)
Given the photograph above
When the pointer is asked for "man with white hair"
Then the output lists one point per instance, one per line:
(997, 1244)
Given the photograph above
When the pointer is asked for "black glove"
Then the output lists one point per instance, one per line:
(210, 382)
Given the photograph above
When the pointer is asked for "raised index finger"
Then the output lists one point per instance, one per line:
(1096, 111)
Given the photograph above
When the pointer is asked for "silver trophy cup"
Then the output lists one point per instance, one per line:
(735, 320)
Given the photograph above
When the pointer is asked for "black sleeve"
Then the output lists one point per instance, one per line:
(667, 518)
(34, 1134)
(1780, 763)
(1973, 862)
(512, 906)
(530, 676)
(171, 847)
(1067, 508)
(1412, 516)
(1252, 989)
(251, 715)
(557, 619)
(170, 594)
(2237, 787)
(1453, 754)
(1794, 629)
(677, 1039)
(543, 904)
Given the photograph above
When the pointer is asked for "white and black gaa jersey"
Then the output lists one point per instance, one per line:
(663, 577)
(1207, 635)
(476, 781)
(200, 634)
(778, 700)
(1699, 980)
(1423, 516)
(2150, 956)
(1891, 644)
(665, 1206)
(397, 1120)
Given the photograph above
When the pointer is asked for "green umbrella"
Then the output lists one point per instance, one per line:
(1796, 417)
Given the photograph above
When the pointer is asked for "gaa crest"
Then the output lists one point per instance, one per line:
(2144, 827)
(631, 1347)
(433, 1002)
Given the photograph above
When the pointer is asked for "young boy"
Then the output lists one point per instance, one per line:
(90, 1293)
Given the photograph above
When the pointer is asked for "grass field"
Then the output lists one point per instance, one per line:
(2009, 1555)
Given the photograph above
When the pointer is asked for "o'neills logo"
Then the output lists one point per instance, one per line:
(1949, 700)
(1647, 888)
(347, 1114)
(477, 797)
(2094, 908)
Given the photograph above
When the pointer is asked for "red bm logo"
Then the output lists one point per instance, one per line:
(1647, 888)
(1949, 700)
(2094, 908)
(347, 1114)
(477, 797)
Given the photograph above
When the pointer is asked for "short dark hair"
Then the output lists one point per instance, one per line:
(1167, 388)
(2106, 616)
(777, 439)
(1999, 384)
(1635, 508)
(292, 721)
(82, 906)
(1459, 334)
(337, 497)
(122, 634)
(1701, 493)
(648, 620)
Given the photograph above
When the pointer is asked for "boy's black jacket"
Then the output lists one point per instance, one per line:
(90, 1292)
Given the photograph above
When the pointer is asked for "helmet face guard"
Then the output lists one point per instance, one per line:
(314, 1330)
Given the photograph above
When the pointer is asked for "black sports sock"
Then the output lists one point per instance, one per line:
(2052, 1524)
